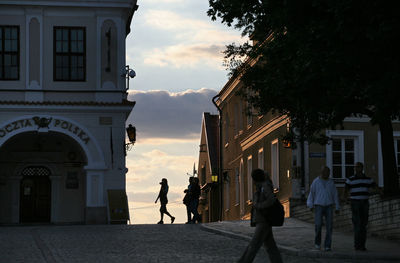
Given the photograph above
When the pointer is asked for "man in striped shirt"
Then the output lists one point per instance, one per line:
(359, 186)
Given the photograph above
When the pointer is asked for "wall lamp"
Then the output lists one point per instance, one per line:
(131, 132)
(214, 178)
(128, 73)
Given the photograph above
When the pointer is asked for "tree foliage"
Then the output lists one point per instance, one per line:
(319, 61)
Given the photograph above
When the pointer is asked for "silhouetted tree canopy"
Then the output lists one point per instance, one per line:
(319, 61)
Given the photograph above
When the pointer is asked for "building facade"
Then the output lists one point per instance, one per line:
(208, 168)
(251, 141)
(63, 108)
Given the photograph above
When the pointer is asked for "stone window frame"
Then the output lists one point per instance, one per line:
(358, 136)
(275, 164)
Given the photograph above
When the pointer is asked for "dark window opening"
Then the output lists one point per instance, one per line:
(9, 53)
(69, 54)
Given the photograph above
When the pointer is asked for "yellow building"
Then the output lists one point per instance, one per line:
(249, 141)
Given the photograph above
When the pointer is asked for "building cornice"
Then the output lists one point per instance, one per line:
(263, 131)
(73, 3)
(71, 106)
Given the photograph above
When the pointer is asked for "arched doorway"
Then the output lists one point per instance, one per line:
(44, 179)
(35, 195)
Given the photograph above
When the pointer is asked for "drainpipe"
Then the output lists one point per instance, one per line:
(220, 180)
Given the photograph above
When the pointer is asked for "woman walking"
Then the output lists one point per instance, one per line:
(164, 201)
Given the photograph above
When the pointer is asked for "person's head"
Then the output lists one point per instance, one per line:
(196, 180)
(359, 167)
(325, 172)
(191, 179)
(258, 175)
(164, 181)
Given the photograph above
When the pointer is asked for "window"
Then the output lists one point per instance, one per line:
(226, 128)
(241, 184)
(275, 163)
(249, 114)
(203, 174)
(396, 138)
(9, 53)
(227, 201)
(343, 151)
(249, 179)
(69, 54)
(238, 118)
(397, 150)
(261, 158)
(237, 186)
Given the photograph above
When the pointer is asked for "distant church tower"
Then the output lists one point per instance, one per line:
(63, 107)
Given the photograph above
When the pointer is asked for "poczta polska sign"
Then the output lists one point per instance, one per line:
(44, 123)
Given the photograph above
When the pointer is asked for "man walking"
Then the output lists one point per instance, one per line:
(358, 186)
(323, 196)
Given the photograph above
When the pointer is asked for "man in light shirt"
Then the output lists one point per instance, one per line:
(323, 196)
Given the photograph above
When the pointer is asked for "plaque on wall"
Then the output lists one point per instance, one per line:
(72, 181)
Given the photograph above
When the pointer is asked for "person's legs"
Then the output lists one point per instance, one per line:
(163, 209)
(318, 225)
(189, 213)
(261, 232)
(364, 214)
(271, 248)
(195, 205)
(355, 209)
(328, 212)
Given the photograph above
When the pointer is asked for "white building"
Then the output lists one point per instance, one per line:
(63, 107)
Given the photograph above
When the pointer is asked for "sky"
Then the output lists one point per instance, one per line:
(176, 52)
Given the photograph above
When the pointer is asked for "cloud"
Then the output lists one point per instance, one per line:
(165, 1)
(163, 114)
(195, 41)
(182, 55)
(168, 20)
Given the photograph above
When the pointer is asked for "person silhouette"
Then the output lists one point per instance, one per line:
(194, 202)
(187, 200)
(263, 198)
(164, 201)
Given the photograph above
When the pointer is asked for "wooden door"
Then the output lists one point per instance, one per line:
(35, 198)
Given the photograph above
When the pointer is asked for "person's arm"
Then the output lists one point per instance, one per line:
(347, 191)
(310, 199)
(158, 196)
(336, 197)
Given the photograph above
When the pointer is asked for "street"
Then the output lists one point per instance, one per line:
(125, 243)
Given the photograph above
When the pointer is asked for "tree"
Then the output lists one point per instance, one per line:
(319, 61)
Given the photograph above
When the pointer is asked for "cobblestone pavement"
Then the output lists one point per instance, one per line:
(125, 243)
(296, 238)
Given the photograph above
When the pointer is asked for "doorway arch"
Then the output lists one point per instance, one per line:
(45, 179)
